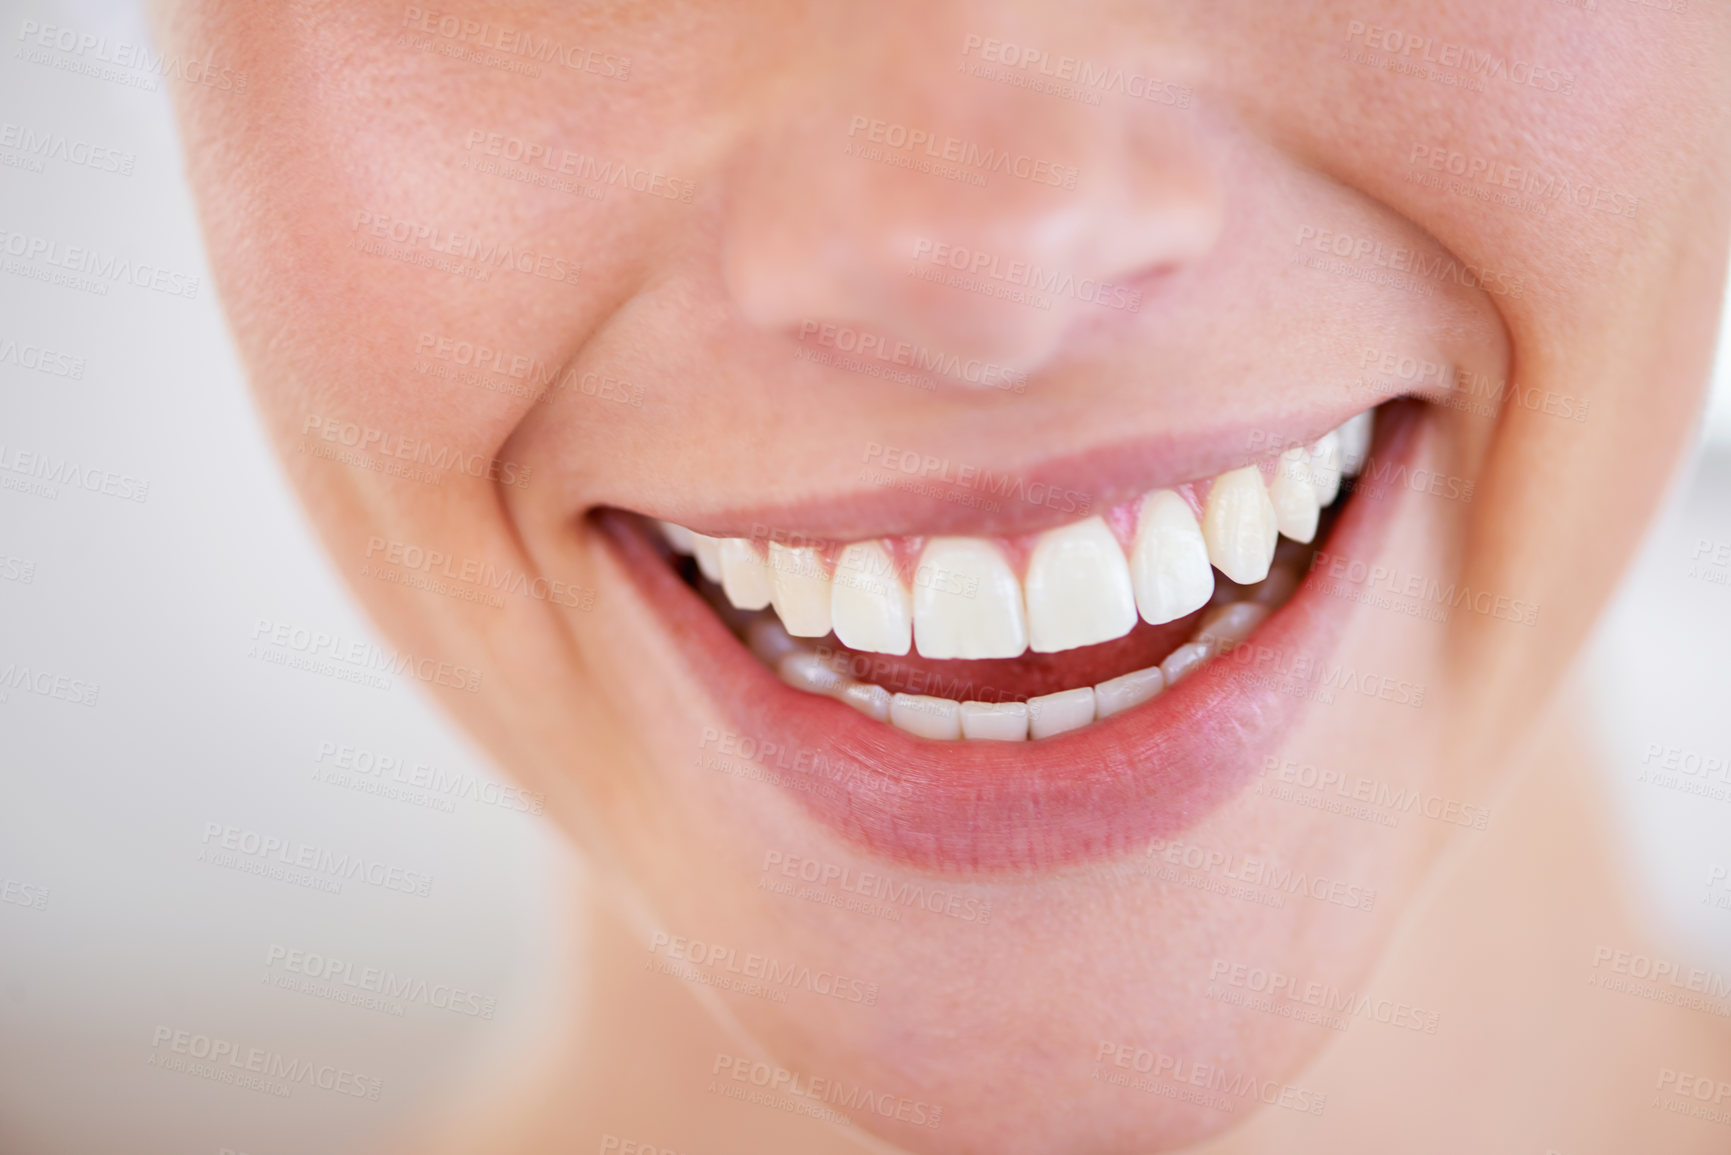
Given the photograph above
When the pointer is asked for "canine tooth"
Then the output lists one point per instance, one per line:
(769, 641)
(707, 550)
(1169, 560)
(1078, 588)
(806, 671)
(1325, 468)
(1180, 662)
(995, 721)
(926, 717)
(1293, 495)
(1238, 525)
(1051, 714)
(799, 589)
(1226, 626)
(1355, 436)
(677, 536)
(872, 701)
(1118, 694)
(869, 609)
(744, 576)
(967, 602)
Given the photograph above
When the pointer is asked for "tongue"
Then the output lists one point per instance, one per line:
(1012, 679)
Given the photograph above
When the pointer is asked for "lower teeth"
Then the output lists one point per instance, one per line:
(810, 665)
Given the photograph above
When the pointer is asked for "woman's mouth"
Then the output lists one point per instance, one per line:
(983, 703)
(1007, 639)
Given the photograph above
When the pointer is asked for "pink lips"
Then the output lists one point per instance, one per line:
(1095, 793)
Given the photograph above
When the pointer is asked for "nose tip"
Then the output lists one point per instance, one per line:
(987, 240)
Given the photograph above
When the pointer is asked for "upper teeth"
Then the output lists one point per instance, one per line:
(1079, 587)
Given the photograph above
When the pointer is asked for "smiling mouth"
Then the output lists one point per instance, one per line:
(989, 704)
(1029, 637)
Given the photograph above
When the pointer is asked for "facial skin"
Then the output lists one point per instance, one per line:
(696, 304)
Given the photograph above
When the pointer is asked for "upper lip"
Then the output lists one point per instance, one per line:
(953, 492)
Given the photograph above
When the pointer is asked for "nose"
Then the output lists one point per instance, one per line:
(929, 187)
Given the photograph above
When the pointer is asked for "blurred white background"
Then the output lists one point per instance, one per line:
(112, 925)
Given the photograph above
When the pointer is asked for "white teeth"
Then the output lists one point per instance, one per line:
(677, 536)
(926, 717)
(806, 671)
(967, 602)
(1226, 626)
(1355, 442)
(800, 589)
(872, 701)
(1169, 560)
(1182, 661)
(1052, 714)
(744, 576)
(1293, 495)
(868, 606)
(1325, 468)
(1238, 525)
(1078, 588)
(1127, 690)
(707, 550)
(995, 721)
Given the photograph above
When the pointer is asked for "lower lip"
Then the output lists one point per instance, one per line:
(1096, 793)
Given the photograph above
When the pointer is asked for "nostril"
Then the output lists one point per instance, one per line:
(990, 242)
